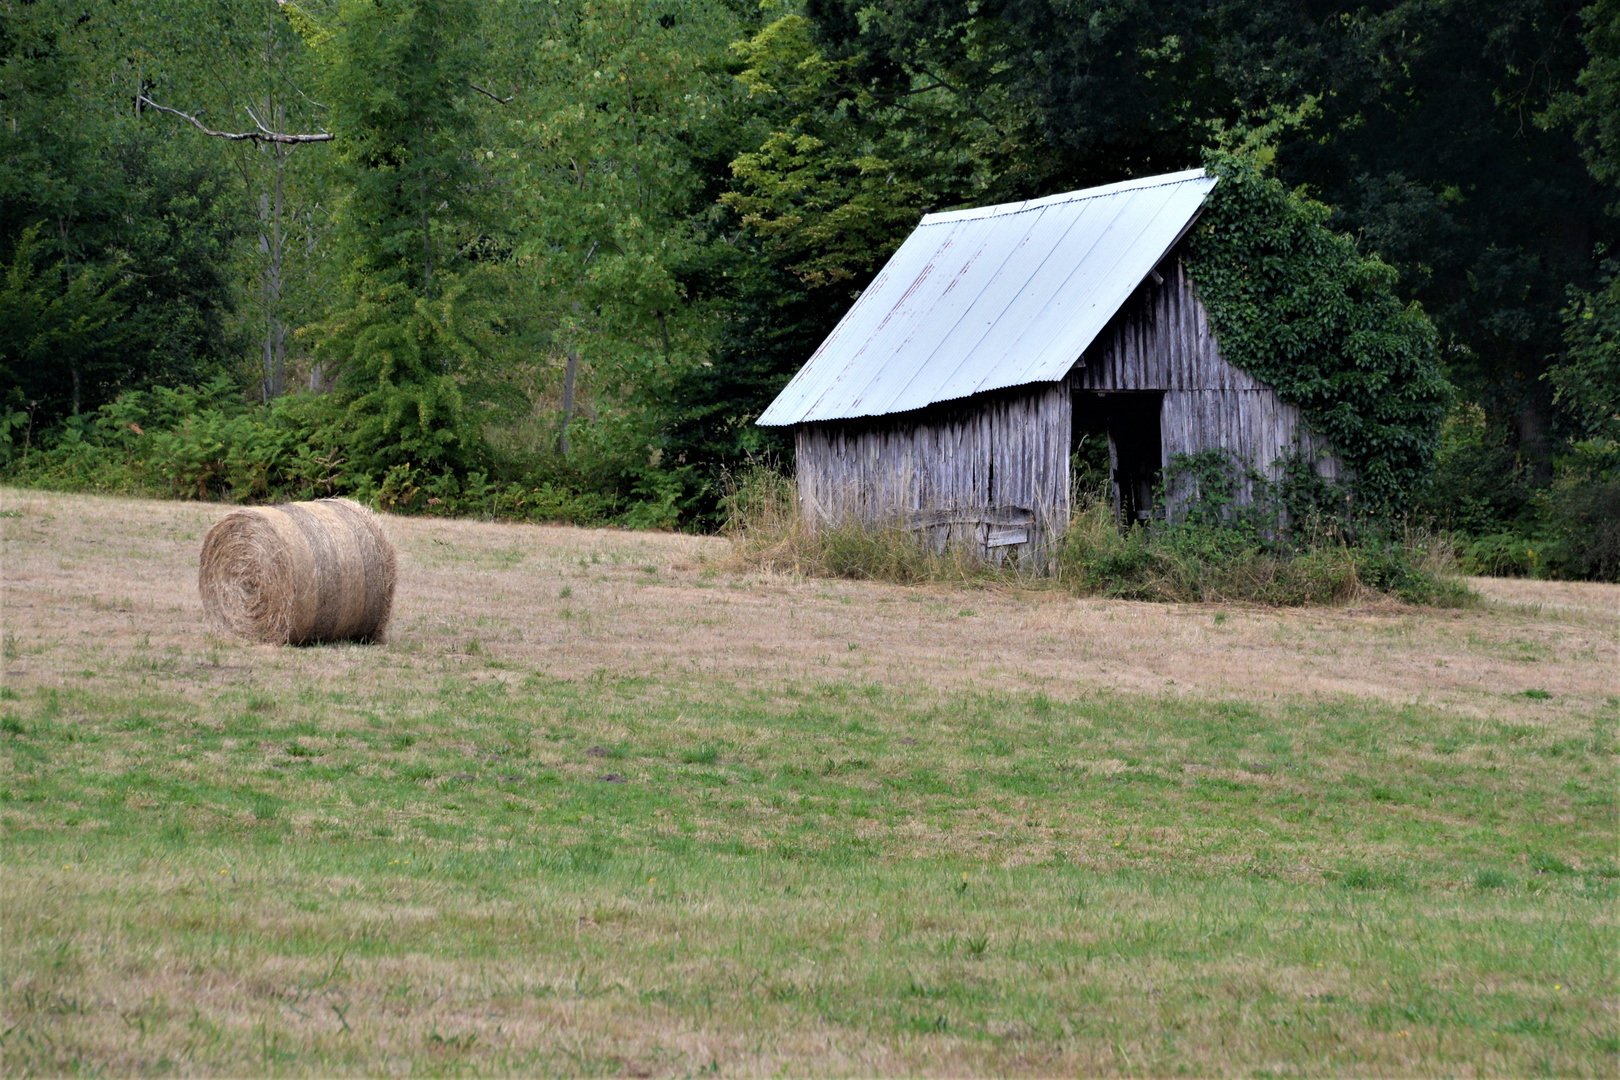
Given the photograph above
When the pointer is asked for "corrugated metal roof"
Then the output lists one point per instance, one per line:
(984, 299)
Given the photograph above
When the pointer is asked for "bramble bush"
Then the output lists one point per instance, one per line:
(1233, 534)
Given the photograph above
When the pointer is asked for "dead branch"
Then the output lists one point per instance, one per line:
(264, 134)
(492, 97)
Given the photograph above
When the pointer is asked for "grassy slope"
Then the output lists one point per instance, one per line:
(225, 858)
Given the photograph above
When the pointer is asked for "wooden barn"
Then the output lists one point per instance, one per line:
(955, 391)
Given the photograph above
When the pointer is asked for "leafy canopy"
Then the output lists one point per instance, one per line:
(823, 197)
(398, 77)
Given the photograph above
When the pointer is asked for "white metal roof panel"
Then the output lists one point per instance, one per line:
(990, 298)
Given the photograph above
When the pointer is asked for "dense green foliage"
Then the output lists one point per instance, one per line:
(397, 76)
(206, 442)
(115, 243)
(577, 247)
(1302, 308)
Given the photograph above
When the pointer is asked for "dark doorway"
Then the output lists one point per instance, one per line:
(1130, 422)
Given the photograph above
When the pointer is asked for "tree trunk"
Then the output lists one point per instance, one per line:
(1535, 442)
(570, 372)
(427, 253)
(67, 286)
(273, 245)
(278, 246)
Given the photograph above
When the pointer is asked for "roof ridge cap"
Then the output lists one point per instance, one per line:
(1101, 191)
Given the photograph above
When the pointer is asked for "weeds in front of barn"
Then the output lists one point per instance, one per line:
(763, 521)
(1208, 558)
(1196, 562)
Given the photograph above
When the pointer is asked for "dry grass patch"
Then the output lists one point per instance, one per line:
(495, 594)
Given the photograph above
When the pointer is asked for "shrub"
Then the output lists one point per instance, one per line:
(206, 442)
(1210, 556)
(1583, 513)
(1481, 484)
(1571, 529)
(1204, 562)
(200, 442)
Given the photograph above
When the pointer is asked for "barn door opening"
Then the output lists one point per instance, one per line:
(1128, 423)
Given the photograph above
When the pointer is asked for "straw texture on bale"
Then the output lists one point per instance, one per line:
(299, 573)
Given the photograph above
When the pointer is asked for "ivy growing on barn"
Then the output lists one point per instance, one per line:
(1299, 306)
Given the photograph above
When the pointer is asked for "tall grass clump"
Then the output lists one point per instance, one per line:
(769, 533)
(1226, 532)
(1200, 563)
(1286, 546)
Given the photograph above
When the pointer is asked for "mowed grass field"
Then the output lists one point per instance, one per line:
(604, 806)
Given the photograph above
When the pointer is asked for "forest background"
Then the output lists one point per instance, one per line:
(548, 259)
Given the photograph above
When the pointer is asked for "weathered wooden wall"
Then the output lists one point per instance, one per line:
(992, 470)
(1161, 340)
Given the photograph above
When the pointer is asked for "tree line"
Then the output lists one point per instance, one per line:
(550, 258)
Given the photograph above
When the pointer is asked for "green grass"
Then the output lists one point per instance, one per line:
(637, 876)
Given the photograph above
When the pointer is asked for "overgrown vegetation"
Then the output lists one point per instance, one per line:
(1507, 523)
(1302, 308)
(208, 443)
(1216, 548)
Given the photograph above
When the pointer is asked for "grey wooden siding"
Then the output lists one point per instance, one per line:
(1161, 340)
(992, 470)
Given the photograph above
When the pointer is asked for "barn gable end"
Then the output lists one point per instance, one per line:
(1161, 342)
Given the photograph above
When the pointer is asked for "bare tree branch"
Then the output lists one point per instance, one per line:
(492, 97)
(311, 100)
(264, 134)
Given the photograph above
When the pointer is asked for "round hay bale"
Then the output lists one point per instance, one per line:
(299, 573)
